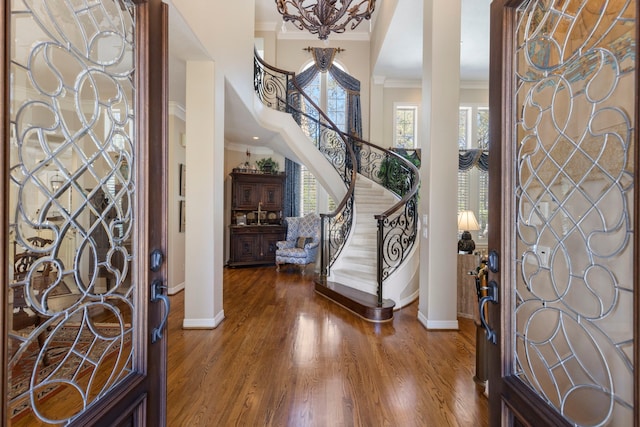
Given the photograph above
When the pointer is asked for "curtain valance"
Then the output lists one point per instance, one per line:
(473, 157)
(323, 63)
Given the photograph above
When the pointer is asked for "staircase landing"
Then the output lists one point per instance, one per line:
(361, 303)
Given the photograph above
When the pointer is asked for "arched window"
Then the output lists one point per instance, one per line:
(325, 91)
(332, 98)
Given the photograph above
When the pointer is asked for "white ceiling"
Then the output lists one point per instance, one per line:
(401, 54)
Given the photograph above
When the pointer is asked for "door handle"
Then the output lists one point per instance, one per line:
(157, 295)
(492, 296)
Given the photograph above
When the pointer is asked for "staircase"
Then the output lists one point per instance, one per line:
(367, 254)
(356, 267)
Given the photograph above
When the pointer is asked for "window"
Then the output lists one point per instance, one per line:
(473, 184)
(332, 98)
(405, 126)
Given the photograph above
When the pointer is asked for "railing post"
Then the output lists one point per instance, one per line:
(380, 259)
(323, 263)
(287, 91)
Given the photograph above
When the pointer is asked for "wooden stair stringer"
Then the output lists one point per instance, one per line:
(358, 302)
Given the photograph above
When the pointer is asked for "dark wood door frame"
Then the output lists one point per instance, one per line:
(141, 398)
(5, 38)
(505, 391)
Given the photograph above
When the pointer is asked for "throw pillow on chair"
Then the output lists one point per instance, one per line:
(301, 241)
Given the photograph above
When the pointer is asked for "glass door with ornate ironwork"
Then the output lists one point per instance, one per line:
(75, 325)
(568, 242)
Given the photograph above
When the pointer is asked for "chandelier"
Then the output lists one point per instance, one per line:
(323, 16)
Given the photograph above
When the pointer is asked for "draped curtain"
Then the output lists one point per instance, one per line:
(323, 63)
(473, 157)
(291, 186)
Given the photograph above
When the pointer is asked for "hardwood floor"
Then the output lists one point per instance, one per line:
(286, 356)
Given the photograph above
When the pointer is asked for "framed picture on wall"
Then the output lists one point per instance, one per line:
(182, 217)
(183, 179)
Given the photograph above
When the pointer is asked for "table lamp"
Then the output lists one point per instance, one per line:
(467, 222)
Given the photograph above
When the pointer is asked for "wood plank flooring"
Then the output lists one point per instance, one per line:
(286, 356)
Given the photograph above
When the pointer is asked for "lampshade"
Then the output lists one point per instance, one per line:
(467, 221)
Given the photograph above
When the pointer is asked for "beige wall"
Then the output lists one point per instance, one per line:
(478, 96)
(391, 97)
(269, 44)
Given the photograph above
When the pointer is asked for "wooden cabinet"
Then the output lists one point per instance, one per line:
(253, 245)
(257, 201)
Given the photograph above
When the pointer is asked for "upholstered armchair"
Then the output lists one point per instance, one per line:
(303, 240)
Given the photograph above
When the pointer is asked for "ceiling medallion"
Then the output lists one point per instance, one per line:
(323, 16)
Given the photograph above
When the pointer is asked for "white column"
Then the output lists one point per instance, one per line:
(204, 201)
(438, 194)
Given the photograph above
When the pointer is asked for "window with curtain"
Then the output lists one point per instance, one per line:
(473, 183)
(325, 91)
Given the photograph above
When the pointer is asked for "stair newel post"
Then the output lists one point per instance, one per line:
(323, 256)
(380, 260)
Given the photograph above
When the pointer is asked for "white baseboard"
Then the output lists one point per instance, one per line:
(175, 289)
(203, 323)
(437, 324)
(406, 301)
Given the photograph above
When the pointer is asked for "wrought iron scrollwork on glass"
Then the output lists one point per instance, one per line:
(575, 129)
(71, 196)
